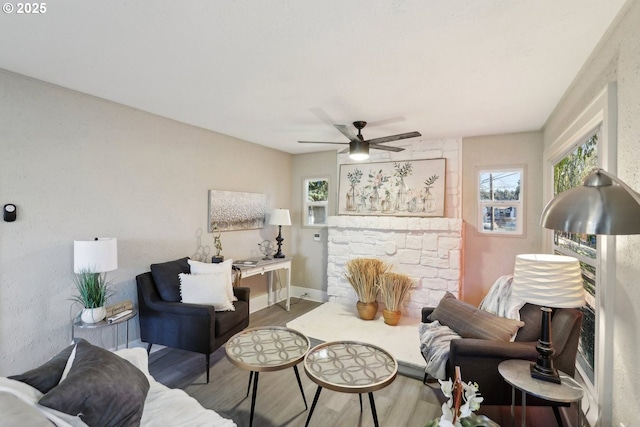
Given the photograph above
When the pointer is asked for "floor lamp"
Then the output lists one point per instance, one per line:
(549, 281)
(604, 204)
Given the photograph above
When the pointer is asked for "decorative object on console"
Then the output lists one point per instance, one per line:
(91, 260)
(362, 274)
(549, 281)
(596, 207)
(233, 210)
(217, 258)
(280, 217)
(267, 249)
(411, 188)
(393, 288)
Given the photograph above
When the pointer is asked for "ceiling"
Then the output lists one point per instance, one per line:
(277, 71)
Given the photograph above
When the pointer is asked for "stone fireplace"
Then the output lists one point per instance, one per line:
(429, 250)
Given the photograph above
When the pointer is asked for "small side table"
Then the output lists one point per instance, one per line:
(517, 374)
(267, 349)
(350, 367)
(78, 323)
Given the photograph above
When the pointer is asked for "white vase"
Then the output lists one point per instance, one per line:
(93, 315)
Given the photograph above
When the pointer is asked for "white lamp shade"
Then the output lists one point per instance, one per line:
(96, 256)
(548, 280)
(280, 217)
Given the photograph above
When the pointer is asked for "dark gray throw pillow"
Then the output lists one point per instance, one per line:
(46, 376)
(471, 322)
(165, 276)
(103, 389)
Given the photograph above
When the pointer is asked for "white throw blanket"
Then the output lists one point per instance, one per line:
(434, 344)
(435, 338)
(499, 301)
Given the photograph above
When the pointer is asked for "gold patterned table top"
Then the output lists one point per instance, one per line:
(350, 366)
(269, 348)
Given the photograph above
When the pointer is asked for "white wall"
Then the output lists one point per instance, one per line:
(78, 167)
(617, 59)
(488, 257)
(309, 267)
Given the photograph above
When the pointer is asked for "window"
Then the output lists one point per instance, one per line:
(590, 139)
(570, 172)
(315, 207)
(500, 201)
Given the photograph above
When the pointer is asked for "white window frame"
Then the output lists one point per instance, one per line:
(602, 112)
(518, 204)
(306, 204)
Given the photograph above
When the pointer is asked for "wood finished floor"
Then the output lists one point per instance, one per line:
(405, 402)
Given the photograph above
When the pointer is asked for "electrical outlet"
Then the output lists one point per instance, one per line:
(304, 295)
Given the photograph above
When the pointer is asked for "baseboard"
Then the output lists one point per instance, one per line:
(260, 302)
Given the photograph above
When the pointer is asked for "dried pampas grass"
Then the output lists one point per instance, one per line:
(363, 274)
(394, 288)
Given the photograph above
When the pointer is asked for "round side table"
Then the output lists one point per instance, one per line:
(264, 349)
(77, 323)
(350, 367)
(517, 373)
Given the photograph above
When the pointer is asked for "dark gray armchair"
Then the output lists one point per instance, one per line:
(166, 321)
(479, 359)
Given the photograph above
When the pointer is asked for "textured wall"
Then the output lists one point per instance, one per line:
(489, 257)
(79, 167)
(617, 59)
(426, 249)
(309, 266)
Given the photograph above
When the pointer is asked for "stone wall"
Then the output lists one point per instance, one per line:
(429, 250)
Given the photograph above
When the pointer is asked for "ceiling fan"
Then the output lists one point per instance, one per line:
(359, 147)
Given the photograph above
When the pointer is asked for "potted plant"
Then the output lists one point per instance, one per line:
(93, 293)
(363, 274)
(394, 288)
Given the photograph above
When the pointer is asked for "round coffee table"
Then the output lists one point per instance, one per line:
(350, 367)
(264, 349)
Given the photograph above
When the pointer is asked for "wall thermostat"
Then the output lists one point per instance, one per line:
(9, 212)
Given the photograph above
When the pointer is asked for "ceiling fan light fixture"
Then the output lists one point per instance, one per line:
(358, 150)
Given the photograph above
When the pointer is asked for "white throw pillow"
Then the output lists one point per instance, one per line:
(226, 267)
(206, 289)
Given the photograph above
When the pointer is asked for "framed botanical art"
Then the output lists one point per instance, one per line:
(407, 188)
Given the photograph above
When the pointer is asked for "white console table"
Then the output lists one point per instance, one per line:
(269, 266)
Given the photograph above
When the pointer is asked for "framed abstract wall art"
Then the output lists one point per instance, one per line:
(406, 188)
(233, 210)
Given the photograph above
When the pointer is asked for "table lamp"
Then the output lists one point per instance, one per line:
(550, 281)
(280, 217)
(96, 256)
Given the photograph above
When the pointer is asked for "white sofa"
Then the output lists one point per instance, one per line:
(162, 406)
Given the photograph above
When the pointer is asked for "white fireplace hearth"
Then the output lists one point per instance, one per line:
(429, 250)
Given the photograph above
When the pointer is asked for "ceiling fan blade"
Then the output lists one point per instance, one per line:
(388, 121)
(322, 115)
(384, 147)
(394, 137)
(346, 131)
(322, 142)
